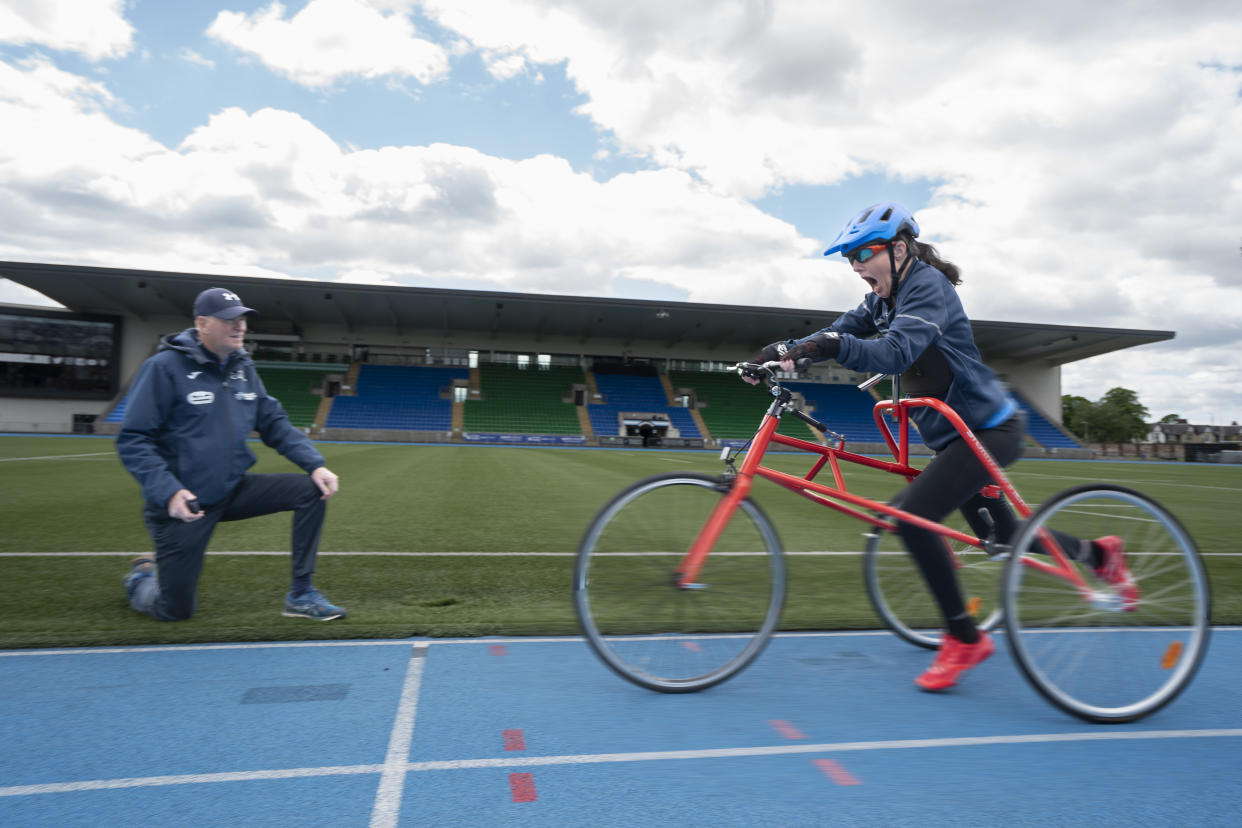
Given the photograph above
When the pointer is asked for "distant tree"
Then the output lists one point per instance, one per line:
(1076, 414)
(1171, 418)
(1117, 417)
(1121, 417)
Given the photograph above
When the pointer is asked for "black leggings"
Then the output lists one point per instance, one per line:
(952, 480)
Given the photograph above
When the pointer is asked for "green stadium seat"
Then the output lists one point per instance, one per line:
(524, 400)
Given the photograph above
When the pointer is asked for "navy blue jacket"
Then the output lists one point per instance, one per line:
(880, 338)
(188, 419)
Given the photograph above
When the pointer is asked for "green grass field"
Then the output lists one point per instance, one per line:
(61, 495)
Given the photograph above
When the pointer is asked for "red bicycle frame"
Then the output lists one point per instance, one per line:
(838, 497)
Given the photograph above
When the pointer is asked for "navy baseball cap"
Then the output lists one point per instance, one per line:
(220, 302)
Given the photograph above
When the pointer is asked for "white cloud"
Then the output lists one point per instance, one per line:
(191, 56)
(1088, 166)
(11, 293)
(269, 189)
(98, 29)
(332, 39)
(1089, 160)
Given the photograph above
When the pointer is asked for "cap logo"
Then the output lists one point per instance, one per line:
(229, 297)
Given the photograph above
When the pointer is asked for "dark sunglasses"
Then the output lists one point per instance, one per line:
(865, 252)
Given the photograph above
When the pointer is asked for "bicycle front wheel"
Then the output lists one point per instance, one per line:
(636, 617)
(1093, 650)
(900, 596)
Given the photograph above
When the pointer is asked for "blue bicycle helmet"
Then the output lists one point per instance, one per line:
(879, 222)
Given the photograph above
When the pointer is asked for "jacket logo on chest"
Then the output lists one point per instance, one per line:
(193, 375)
(238, 375)
(200, 397)
(245, 395)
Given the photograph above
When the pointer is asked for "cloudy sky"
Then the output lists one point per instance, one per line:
(1082, 163)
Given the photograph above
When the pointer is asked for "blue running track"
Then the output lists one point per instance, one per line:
(824, 729)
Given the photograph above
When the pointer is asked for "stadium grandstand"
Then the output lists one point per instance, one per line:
(372, 362)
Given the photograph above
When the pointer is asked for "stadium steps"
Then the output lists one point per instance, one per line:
(292, 386)
(321, 415)
(349, 386)
(669, 393)
(458, 416)
(593, 395)
(584, 422)
(731, 409)
(699, 423)
(1042, 429)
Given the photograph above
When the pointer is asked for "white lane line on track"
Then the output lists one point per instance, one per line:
(602, 758)
(1020, 473)
(57, 456)
(260, 553)
(826, 747)
(187, 779)
(387, 806)
(439, 642)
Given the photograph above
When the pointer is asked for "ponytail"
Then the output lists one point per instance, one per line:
(926, 253)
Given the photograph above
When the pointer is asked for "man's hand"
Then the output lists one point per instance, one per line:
(327, 482)
(179, 506)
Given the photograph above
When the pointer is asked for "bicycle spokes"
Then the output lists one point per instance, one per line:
(638, 616)
(1107, 649)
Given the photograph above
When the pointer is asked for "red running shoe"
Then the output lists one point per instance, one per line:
(954, 658)
(1113, 570)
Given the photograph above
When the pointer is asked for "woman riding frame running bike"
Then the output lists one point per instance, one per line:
(912, 323)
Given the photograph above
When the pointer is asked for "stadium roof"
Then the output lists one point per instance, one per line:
(463, 314)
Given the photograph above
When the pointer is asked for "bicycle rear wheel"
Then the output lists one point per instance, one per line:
(1091, 652)
(633, 613)
(901, 598)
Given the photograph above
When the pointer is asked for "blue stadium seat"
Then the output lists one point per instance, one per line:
(627, 392)
(117, 414)
(846, 410)
(1041, 430)
(394, 397)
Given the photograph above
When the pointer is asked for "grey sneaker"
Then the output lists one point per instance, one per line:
(311, 604)
(139, 568)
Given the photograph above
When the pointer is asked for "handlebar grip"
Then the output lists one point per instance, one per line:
(870, 381)
(809, 420)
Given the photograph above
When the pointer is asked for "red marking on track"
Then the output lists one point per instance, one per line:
(786, 729)
(522, 786)
(497, 649)
(514, 740)
(692, 646)
(836, 773)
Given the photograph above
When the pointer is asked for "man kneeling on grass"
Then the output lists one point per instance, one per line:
(190, 411)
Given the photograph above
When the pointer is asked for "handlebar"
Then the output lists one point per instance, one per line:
(761, 371)
(767, 373)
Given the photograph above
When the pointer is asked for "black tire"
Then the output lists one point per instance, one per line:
(901, 598)
(630, 608)
(1097, 654)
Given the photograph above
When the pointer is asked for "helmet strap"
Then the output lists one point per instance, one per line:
(892, 264)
